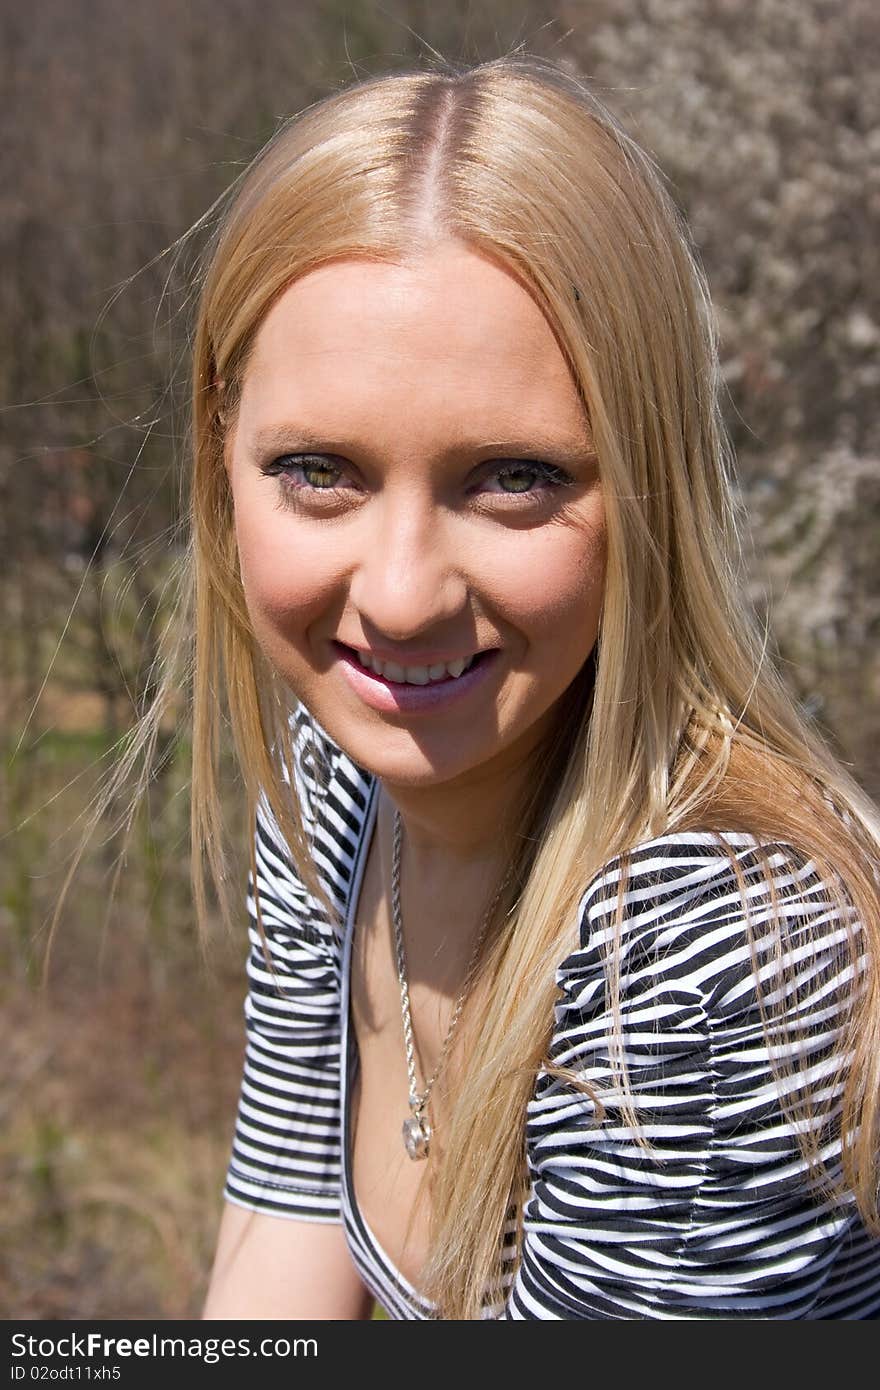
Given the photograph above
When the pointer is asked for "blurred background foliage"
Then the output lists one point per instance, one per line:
(125, 123)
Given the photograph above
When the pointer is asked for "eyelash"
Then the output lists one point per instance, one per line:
(283, 468)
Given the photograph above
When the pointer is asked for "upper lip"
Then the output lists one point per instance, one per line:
(415, 658)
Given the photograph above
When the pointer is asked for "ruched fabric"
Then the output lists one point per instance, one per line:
(715, 1216)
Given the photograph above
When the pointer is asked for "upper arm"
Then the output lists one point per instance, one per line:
(286, 1153)
(281, 1247)
(716, 1217)
(277, 1267)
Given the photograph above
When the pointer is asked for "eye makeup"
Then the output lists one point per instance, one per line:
(296, 474)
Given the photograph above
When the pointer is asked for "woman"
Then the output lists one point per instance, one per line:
(564, 992)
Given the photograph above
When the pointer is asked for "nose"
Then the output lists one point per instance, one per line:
(408, 579)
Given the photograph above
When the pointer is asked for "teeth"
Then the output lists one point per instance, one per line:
(415, 675)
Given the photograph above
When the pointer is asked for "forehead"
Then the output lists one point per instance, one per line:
(447, 340)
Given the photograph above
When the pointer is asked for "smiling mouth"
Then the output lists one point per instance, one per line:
(394, 674)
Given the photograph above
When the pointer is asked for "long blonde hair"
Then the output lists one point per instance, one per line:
(684, 722)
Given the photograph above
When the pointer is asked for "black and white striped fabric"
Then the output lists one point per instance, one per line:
(717, 1220)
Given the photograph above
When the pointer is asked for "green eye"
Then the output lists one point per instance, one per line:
(531, 479)
(304, 474)
(522, 474)
(319, 475)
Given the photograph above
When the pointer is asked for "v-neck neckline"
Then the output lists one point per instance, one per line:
(350, 1063)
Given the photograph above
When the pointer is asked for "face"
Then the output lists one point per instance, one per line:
(414, 488)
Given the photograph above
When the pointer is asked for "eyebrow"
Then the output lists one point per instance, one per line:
(283, 436)
(291, 438)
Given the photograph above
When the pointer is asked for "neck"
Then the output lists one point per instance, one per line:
(476, 819)
(456, 850)
(469, 824)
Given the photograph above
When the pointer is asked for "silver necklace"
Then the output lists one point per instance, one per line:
(416, 1129)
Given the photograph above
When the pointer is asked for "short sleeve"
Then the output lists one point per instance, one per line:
(286, 1155)
(718, 1219)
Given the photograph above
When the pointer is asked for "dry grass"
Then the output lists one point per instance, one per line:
(117, 1110)
(121, 1075)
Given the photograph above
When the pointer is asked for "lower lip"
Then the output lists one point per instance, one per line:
(394, 697)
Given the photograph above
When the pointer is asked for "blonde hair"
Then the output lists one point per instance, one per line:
(685, 724)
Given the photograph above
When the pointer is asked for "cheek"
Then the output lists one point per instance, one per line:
(287, 573)
(553, 593)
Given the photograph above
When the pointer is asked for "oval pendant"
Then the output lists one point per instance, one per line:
(416, 1134)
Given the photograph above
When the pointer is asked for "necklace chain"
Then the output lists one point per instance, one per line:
(416, 1130)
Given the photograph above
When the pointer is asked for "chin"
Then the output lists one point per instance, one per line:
(399, 758)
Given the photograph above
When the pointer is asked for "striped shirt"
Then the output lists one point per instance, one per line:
(718, 1219)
